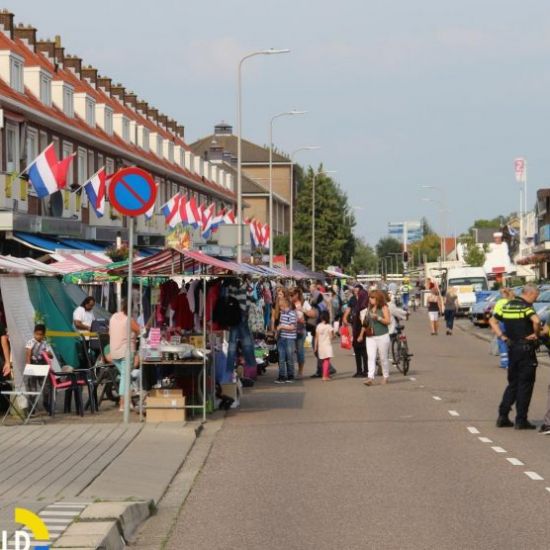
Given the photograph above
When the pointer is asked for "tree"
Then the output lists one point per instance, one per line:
(391, 248)
(474, 254)
(334, 239)
(429, 246)
(365, 259)
(281, 245)
(426, 227)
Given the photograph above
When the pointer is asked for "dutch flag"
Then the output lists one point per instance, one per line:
(256, 233)
(229, 218)
(217, 220)
(150, 213)
(95, 189)
(207, 218)
(171, 211)
(191, 215)
(48, 175)
(265, 235)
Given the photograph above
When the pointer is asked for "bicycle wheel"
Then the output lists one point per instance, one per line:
(395, 349)
(398, 354)
(405, 359)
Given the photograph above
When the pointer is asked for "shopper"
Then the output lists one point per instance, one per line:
(118, 341)
(323, 344)
(434, 309)
(297, 299)
(451, 307)
(286, 339)
(360, 303)
(83, 315)
(376, 332)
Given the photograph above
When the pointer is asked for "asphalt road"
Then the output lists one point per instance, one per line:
(415, 464)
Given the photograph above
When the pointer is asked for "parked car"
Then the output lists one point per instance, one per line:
(542, 300)
(481, 311)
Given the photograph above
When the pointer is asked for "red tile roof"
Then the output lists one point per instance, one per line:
(27, 99)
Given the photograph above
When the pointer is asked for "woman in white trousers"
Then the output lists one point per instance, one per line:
(376, 330)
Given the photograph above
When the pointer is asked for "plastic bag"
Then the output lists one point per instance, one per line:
(308, 342)
(345, 338)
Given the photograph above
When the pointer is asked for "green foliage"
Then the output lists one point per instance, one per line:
(365, 259)
(426, 227)
(429, 246)
(281, 245)
(474, 255)
(386, 249)
(334, 239)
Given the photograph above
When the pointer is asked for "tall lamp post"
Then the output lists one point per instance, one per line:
(271, 229)
(291, 232)
(315, 174)
(239, 145)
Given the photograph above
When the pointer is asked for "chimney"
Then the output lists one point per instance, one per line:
(172, 125)
(105, 83)
(118, 91)
(180, 131)
(130, 99)
(47, 48)
(153, 113)
(89, 73)
(142, 107)
(59, 55)
(163, 119)
(74, 63)
(25, 33)
(6, 20)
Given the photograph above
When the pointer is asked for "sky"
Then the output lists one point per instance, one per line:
(399, 94)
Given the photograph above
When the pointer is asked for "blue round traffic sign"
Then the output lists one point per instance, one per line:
(132, 191)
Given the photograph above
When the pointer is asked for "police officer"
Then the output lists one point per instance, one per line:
(521, 331)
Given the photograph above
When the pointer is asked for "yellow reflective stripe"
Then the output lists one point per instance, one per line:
(68, 334)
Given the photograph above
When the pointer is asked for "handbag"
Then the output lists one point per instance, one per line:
(367, 326)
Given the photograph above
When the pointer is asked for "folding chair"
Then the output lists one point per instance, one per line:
(33, 397)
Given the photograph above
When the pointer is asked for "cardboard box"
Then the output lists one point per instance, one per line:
(175, 392)
(230, 390)
(169, 408)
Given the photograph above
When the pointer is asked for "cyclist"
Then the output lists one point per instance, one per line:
(397, 314)
(405, 291)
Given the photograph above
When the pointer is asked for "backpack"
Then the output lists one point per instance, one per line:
(227, 312)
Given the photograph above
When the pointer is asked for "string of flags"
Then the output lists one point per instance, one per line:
(48, 175)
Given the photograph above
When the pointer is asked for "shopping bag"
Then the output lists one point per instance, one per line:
(308, 342)
(345, 338)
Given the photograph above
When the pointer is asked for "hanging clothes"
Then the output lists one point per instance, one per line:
(183, 317)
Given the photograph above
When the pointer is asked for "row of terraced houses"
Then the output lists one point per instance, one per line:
(49, 96)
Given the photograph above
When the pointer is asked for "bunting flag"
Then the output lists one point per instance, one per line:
(229, 218)
(190, 213)
(256, 233)
(218, 220)
(47, 174)
(151, 212)
(265, 232)
(171, 211)
(200, 210)
(95, 188)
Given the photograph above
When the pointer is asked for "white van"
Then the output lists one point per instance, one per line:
(466, 281)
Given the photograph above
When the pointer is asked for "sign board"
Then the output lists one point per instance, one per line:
(414, 231)
(520, 169)
(132, 191)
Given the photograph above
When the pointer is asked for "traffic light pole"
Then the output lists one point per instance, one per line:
(405, 251)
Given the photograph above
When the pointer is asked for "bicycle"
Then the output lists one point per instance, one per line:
(400, 350)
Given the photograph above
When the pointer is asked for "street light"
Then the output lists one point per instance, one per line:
(271, 228)
(291, 234)
(239, 145)
(324, 173)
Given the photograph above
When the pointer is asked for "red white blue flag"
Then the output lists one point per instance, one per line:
(95, 188)
(171, 211)
(47, 174)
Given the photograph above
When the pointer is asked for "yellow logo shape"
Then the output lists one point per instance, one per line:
(35, 524)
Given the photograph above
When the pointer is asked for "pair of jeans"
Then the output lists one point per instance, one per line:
(502, 348)
(267, 316)
(380, 344)
(240, 333)
(300, 351)
(405, 299)
(361, 358)
(286, 348)
(450, 318)
(522, 371)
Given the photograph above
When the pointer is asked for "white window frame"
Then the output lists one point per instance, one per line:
(67, 149)
(109, 165)
(82, 168)
(91, 163)
(90, 112)
(108, 121)
(159, 145)
(16, 73)
(68, 101)
(125, 129)
(32, 149)
(43, 140)
(45, 84)
(14, 154)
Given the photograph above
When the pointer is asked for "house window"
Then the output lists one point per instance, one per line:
(12, 148)
(67, 151)
(125, 129)
(32, 144)
(91, 165)
(43, 140)
(56, 146)
(109, 166)
(90, 112)
(16, 74)
(68, 101)
(171, 152)
(100, 161)
(82, 165)
(45, 89)
(109, 122)
(159, 146)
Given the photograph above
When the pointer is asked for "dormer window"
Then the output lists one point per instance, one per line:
(45, 89)
(63, 97)
(169, 150)
(109, 121)
(143, 137)
(104, 117)
(122, 126)
(84, 106)
(90, 112)
(159, 146)
(11, 69)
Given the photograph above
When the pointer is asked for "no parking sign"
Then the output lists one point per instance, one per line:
(132, 191)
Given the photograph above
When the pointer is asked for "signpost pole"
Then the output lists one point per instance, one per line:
(129, 358)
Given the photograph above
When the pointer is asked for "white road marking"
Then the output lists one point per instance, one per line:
(412, 379)
(498, 449)
(436, 397)
(548, 489)
(58, 513)
(485, 440)
(473, 430)
(534, 476)
(515, 462)
(454, 413)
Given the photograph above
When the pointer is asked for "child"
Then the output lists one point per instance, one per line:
(323, 344)
(286, 342)
(37, 346)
